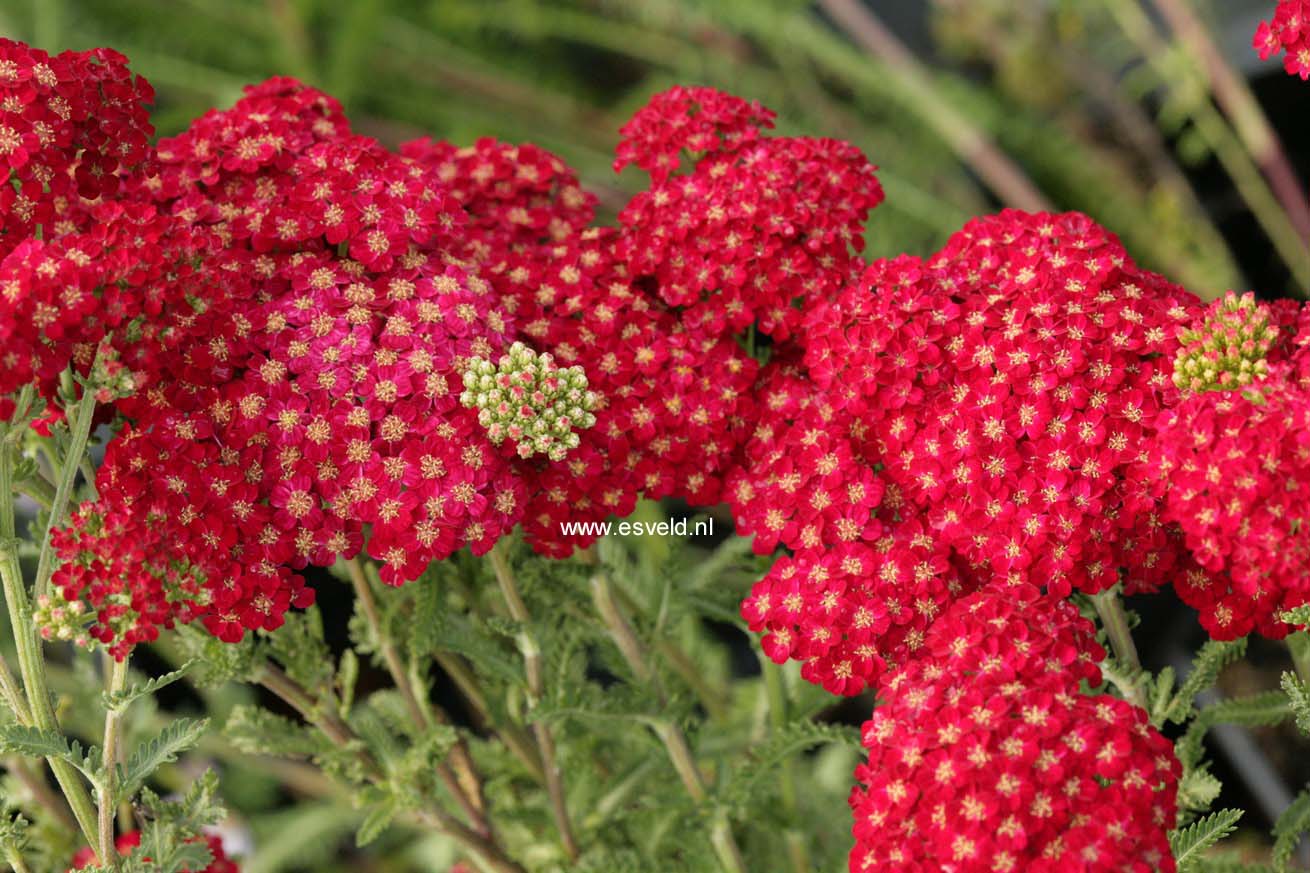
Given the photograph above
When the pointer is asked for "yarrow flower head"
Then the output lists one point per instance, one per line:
(1237, 468)
(1289, 32)
(1005, 388)
(987, 758)
(531, 401)
(853, 612)
(1228, 350)
(757, 227)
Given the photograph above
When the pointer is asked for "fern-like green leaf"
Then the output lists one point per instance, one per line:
(1206, 667)
(1294, 821)
(173, 740)
(1267, 708)
(1298, 696)
(256, 731)
(1190, 843)
(121, 700)
(379, 818)
(33, 742)
(1198, 789)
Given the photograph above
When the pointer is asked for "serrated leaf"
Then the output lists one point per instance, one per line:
(178, 736)
(1198, 789)
(1294, 822)
(1267, 708)
(379, 818)
(1298, 696)
(257, 731)
(1210, 661)
(33, 742)
(121, 700)
(1190, 843)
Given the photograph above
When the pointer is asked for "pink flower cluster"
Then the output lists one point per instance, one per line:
(1289, 32)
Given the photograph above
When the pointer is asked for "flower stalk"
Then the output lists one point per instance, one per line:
(117, 680)
(669, 733)
(532, 662)
(466, 787)
(31, 664)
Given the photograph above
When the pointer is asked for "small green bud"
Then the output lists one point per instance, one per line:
(1227, 351)
(527, 398)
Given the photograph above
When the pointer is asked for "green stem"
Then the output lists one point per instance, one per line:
(80, 433)
(1298, 645)
(467, 787)
(31, 664)
(113, 718)
(670, 734)
(15, 859)
(776, 695)
(532, 663)
(514, 737)
(13, 694)
(486, 849)
(1109, 607)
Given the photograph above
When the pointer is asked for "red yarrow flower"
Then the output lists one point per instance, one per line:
(987, 756)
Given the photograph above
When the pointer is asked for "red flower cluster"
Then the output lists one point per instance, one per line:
(1237, 466)
(853, 612)
(296, 343)
(517, 197)
(317, 394)
(73, 127)
(125, 843)
(1288, 31)
(672, 408)
(758, 229)
(986, 756)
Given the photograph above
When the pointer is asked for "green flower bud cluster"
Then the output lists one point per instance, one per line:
(528, 399)
(1227, 351)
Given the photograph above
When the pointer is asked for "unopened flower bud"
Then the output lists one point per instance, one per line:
(530, 400)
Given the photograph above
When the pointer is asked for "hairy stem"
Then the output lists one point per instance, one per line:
(1109, 607)
(31, 664)
(531, 651)
(467, 790)
(670, 734)
(15, 860)
(13, 694)
(80, 432)
(341, 735)
(514, 737)
(117, 681)
(1298, 645)
(776, 696)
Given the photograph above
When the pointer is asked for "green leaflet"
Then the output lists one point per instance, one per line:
(125, 698)
(178, 736)
(1294, 822)
(1189, 843)
(1206, 667)
(1268, 708)
(1298, 697)
(33, 742)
